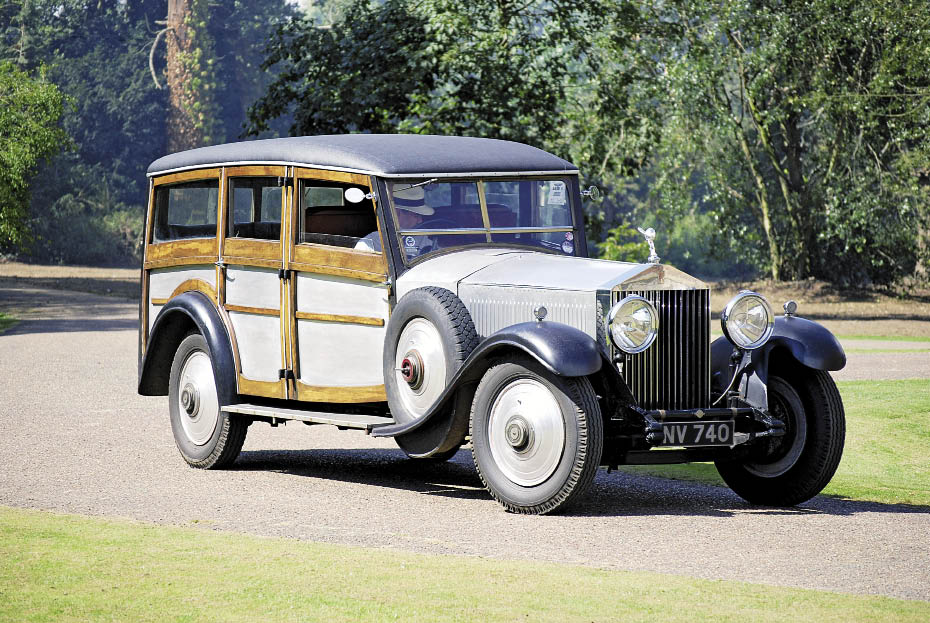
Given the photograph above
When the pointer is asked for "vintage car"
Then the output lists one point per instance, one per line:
(438, 290)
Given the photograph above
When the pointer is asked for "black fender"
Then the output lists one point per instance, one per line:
(560, 348)
(809, 343)
(181, 315)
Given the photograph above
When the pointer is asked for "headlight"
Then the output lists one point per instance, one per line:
(632, 324)
(747, 320)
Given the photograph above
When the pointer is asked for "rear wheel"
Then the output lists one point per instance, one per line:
(537, 438)
(788, 470)
(206, 437)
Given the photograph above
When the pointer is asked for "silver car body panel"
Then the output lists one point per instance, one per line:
(495, 307)
(501, 287)
(446, 271)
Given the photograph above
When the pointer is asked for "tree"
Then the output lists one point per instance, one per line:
(193, 110)
(488, 68)
(804, 125)
(30, 111)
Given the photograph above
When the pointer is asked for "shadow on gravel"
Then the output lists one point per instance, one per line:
(617, 494)
(72, 325)
(455, 478)
(123, 288)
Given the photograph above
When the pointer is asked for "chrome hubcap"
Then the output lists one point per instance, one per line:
(197, 398)
(190, 399)
(420, 366)
(526, 432)
(518, 432)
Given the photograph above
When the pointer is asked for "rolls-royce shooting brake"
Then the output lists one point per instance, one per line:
(438, 290)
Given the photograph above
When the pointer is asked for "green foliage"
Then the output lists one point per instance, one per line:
(624, 244)
(804, 124)
(494, 69)
(354, 76)
(87, 206)
(30, 111)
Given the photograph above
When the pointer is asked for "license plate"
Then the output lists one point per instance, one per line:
(710, 433)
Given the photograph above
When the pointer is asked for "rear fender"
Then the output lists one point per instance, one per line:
(185, 313)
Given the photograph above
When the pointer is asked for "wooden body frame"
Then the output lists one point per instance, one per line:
(285, 255)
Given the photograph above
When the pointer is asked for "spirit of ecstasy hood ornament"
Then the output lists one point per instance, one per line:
(650, 236)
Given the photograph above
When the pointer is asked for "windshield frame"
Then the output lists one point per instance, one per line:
(395, 235)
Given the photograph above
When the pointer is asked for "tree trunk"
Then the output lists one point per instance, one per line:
(191, 102)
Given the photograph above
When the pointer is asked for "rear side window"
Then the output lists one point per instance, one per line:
(327, 217)
(186, 210)
(255, 207)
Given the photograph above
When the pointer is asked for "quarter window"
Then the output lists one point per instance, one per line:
(186, 210)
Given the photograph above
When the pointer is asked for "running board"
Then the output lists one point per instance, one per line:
(342, 420)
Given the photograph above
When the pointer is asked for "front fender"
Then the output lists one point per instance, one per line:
(560, 348)
(808, 342)
(185, 312)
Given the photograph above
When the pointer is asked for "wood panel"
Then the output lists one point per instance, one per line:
(342, 318)
(261, 311)
(195, 285)
(179, 249)
(333, 176)
(235, 249)
(181, 261)
(268, 389)
(256, 170)
(312, 393)
(323, 256)
(187, 176)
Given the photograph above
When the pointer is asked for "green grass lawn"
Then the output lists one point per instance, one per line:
(887, 442)
(6, 321)
(872, 351)
(67, 568)
(885, 338)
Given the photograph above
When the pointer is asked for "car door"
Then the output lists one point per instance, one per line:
(338, 289)
(253, 289)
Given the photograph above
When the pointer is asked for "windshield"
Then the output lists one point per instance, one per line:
(432, 215)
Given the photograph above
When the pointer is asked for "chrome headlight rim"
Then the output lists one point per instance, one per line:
(742, 342)
(654, 328)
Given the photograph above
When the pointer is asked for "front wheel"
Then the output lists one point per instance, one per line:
(537, 438)
(788, 470)
(206, 437)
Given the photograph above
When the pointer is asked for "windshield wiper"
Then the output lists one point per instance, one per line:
(426, 183)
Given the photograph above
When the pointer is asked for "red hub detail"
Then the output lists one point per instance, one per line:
(411, 369)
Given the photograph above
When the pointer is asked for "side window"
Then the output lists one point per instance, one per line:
(254, 208)
(185, 210)
(328, 217)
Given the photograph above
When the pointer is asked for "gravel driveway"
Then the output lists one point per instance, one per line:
(75, 437)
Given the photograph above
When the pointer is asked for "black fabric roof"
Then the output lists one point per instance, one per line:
(381, 154)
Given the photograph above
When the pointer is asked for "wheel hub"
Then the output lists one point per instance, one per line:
(411, 369)
(190, 399)
(519, 433)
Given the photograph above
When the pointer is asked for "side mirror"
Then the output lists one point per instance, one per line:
(355, 195)
(592, 192)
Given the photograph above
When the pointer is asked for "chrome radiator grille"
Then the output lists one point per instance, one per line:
(673, 373)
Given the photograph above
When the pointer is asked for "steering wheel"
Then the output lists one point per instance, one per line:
(438, 223)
